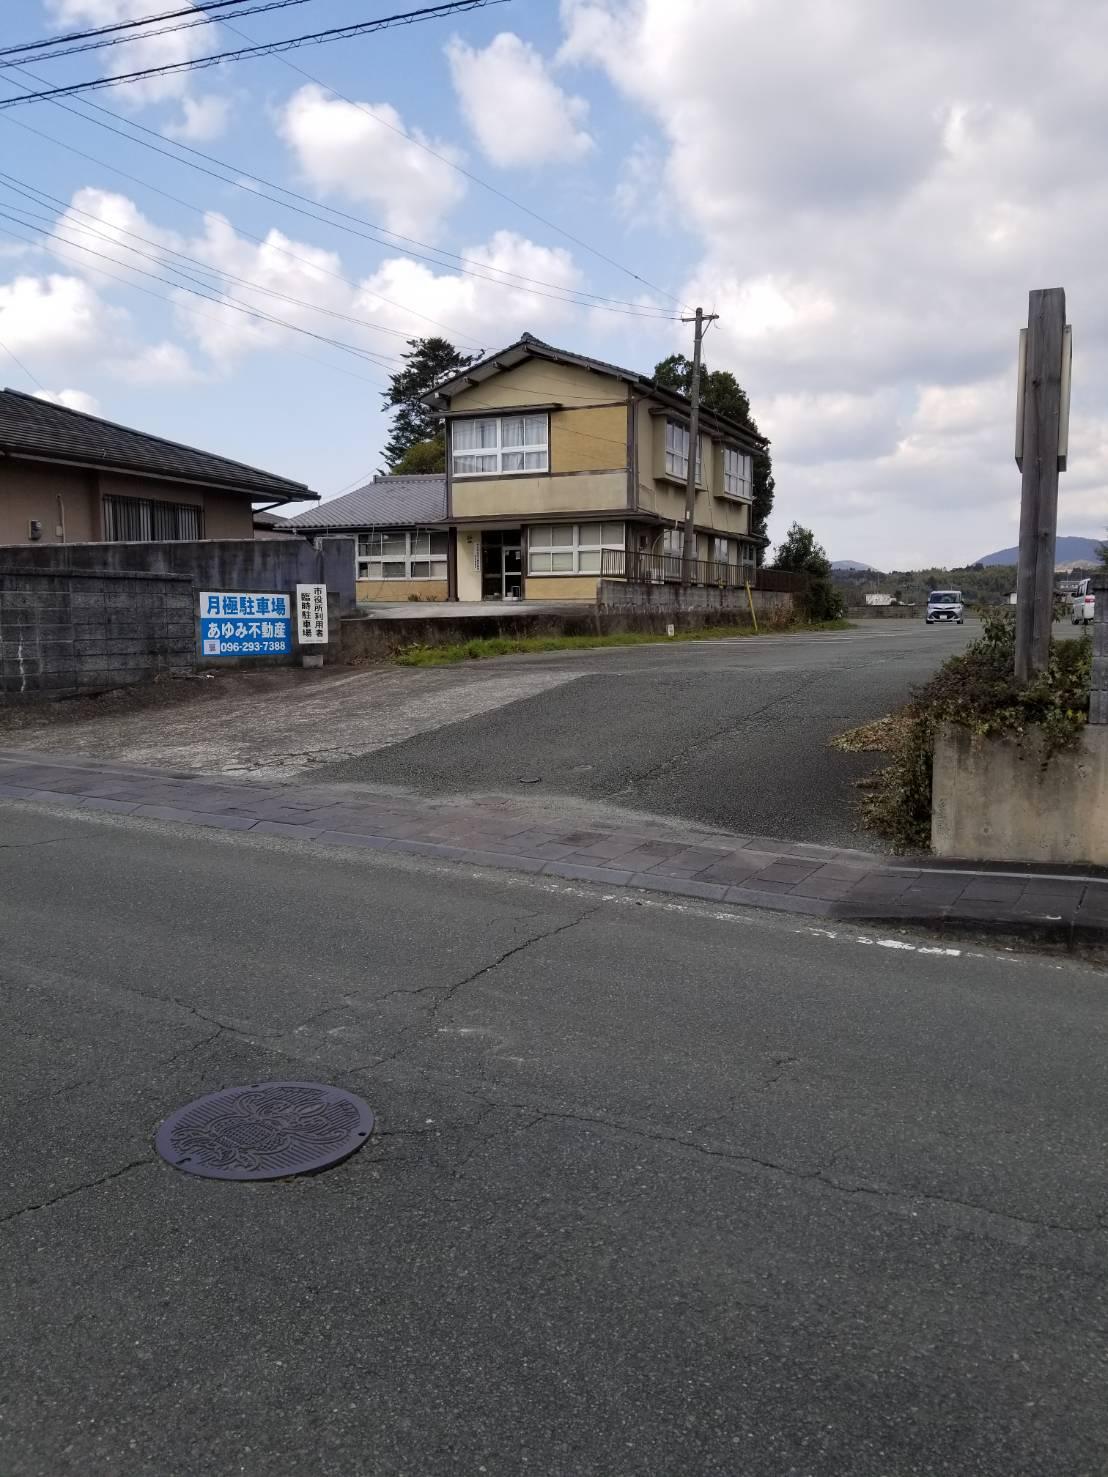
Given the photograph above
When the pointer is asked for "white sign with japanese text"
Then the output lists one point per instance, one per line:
(311, 614)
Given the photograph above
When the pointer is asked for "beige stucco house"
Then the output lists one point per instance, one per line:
(561, 467)
(69, 477)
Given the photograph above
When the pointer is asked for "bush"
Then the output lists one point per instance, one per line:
(978, 690)
(821, 601)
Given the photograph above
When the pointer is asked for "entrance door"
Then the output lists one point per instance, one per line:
(501, 564)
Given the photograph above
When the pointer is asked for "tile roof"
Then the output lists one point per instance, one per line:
(386, 502)
(54, 432)
(529, 346)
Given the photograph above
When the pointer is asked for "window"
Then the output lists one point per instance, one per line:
(571, 548)
(738, 473)
(723, 551)
(506, 443)
(141, 519)
(673, 543)
(677, 450)
(677, 453)
(416, 555)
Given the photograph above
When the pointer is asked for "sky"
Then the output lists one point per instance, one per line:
(864, 192)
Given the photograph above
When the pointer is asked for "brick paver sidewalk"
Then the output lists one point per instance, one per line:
(1064, 907)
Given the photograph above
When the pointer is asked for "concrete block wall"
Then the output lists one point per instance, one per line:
(210, 564)
(62, 634)
(620, 595)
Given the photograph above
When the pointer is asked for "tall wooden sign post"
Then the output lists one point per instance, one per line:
(1042, 443)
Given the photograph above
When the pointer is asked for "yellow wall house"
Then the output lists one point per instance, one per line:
(561, 468)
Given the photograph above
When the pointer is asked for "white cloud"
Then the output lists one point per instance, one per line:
(515, 110)
(152, 51)
(873, 191)
(156, 366)
(362, 152)
(49, 318)
(71, 399)
(202, 119)
(472, 306)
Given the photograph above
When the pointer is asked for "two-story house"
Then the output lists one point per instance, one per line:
(561, 468)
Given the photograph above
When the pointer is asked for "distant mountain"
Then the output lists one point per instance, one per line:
(851, 564)
(1068, 550)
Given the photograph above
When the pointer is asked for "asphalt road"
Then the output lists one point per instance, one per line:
(657, 1188)
(731, 734)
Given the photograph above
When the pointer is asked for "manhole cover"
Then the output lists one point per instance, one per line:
(265, 1131)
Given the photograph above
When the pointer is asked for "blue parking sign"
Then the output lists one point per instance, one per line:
(245, 624)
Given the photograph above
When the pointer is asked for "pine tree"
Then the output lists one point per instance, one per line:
(428, 362)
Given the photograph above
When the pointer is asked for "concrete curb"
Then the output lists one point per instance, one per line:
(1058, 910)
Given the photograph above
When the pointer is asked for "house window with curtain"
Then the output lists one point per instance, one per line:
(723, 551)
(677, 452)
(144, 520)
(570, 548)
(410, 555)
(500, 444)
(738, 474)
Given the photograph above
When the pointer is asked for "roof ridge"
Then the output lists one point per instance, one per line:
(52, 405)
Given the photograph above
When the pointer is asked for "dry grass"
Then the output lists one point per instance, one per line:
(882, 736)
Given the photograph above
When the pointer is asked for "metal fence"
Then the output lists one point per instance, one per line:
(639, 567)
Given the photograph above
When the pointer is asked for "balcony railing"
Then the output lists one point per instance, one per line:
(639, 567)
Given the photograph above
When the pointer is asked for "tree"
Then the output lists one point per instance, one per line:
(424, 456)
(720, 391)
(428, 362)
(799, 553)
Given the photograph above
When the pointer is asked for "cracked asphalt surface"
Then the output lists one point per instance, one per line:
(731, 734)
(656, 1188)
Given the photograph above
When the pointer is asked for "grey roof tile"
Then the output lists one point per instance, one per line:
(386, 502)
(42, 429)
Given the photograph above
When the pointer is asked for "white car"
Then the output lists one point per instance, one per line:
(1083, 604)
(945, 605)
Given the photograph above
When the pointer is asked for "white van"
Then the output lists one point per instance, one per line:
(1083, 603)
(944, 605)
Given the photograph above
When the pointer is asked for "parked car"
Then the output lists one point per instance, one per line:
(1083, 603)
(945, 605)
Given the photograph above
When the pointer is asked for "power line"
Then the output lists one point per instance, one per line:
(234, 174)
(271, 48)
(187, 307)
(19, 187)
(247, 235)
(48, 51)
(275, 49)
(16, 359)
(222, 302)
(144, 20)
(466, 173)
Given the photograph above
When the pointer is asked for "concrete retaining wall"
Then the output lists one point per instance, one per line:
(369, 638)
(82, 632)
(699, 600)
(999, 799)
(885, 612)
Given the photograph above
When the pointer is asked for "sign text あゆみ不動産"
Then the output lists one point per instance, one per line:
(236, 623)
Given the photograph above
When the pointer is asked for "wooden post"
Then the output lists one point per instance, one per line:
(1041, 438)
(1098, 694)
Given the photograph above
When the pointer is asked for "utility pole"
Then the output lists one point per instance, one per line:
(688, 547)
(1042, 437)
